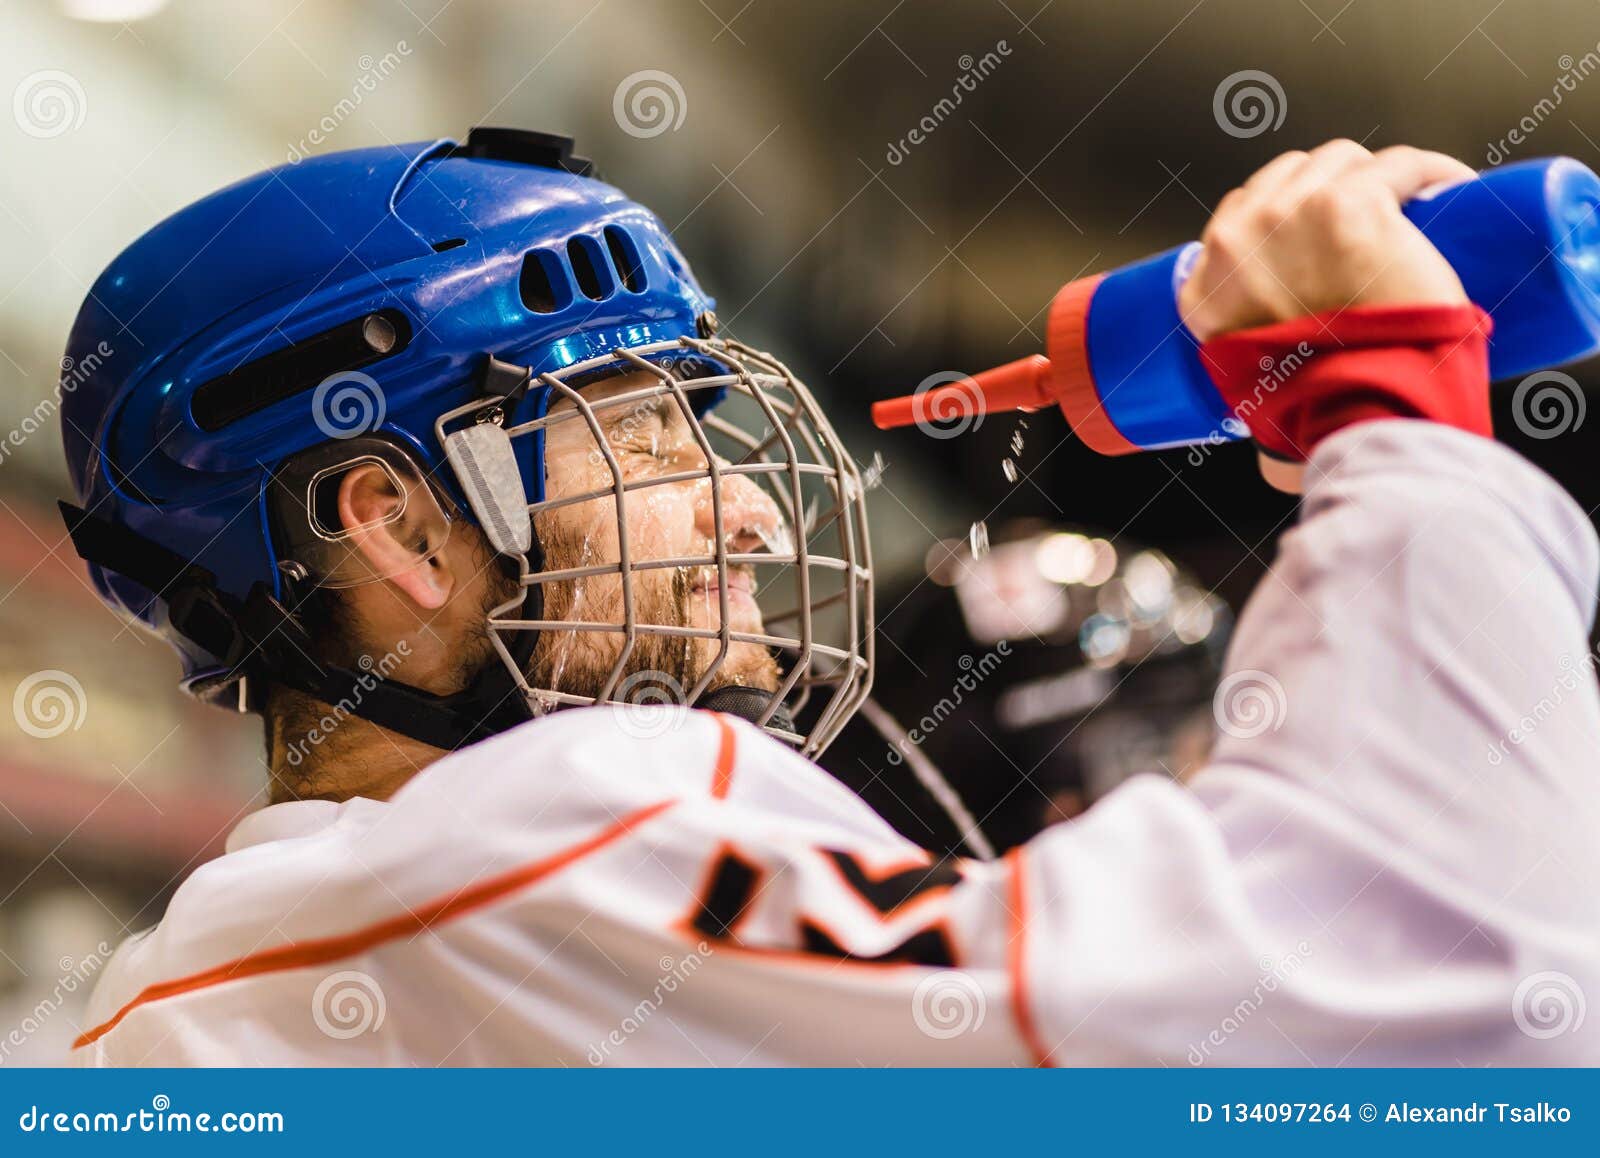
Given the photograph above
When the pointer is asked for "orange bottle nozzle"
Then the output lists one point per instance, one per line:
(1065, 379)
(1019, 385)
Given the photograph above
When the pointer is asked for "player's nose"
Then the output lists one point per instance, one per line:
(750, 519)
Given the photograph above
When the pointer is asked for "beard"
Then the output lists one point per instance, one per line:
(660, 666)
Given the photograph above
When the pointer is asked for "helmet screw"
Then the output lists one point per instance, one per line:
(378, 333)
(706, 324)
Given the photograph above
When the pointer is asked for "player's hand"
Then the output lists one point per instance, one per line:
(1319, 231)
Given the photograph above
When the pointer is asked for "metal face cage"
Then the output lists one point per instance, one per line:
(813, 582)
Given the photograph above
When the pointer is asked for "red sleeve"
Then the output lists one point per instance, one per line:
(1296, 382)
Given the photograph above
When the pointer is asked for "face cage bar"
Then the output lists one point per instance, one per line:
(846, 669)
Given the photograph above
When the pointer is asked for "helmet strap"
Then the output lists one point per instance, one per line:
(261, 638)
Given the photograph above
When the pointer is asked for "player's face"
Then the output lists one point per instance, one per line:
(649, 439)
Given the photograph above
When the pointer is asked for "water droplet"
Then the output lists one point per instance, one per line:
(810, 520)
(778, 540)
(978, 539)
(872, 477)
(1009, 467)
(570, 638)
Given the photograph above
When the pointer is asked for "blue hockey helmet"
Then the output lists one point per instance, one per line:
(365, 295)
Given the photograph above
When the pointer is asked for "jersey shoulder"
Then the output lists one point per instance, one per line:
(556, 800)
(618, 754)
(598, 763)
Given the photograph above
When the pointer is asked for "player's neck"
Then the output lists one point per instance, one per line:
(314, 755)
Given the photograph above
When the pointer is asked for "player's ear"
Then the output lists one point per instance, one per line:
(397, 533)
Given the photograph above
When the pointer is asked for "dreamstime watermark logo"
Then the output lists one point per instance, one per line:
(645, 704)
(155, 1120)
(1572, 72)
(1548, 1005)
(675, 971)
(1575, 678)
(1249, 703)
(75, 975)
(372, 71)
(948, 1004)
(1249, 103)
(48, 703)
(348, 1004)
(648, 103)
(1274, 973)
(972, 71)
(48, 103)
(74, 373)
(348, 404)
(948, 413)
(975, 672)
(373, 672)
(1548, 404)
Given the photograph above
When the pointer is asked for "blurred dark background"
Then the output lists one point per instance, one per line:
(1086, 135)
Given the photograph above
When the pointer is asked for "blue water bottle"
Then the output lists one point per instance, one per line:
(1523, 238)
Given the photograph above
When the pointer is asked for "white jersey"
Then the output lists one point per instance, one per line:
(1394, 861)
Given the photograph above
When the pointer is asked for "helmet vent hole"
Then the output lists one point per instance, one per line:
(543, 286)
(449, 243)
(590, 268)
(625, 256)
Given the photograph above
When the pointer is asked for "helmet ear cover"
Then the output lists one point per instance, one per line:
(319, 549)
(316, 544)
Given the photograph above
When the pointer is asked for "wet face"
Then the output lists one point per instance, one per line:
(673, 520)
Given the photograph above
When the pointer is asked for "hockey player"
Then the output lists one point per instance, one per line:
(432, 456)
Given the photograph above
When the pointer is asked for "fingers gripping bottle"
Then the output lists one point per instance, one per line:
(1126, 371)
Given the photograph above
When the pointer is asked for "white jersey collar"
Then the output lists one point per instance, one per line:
(291, 819)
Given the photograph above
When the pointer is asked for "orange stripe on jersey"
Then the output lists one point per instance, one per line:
(407, 924)
(727, 753)
(1017, 959)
